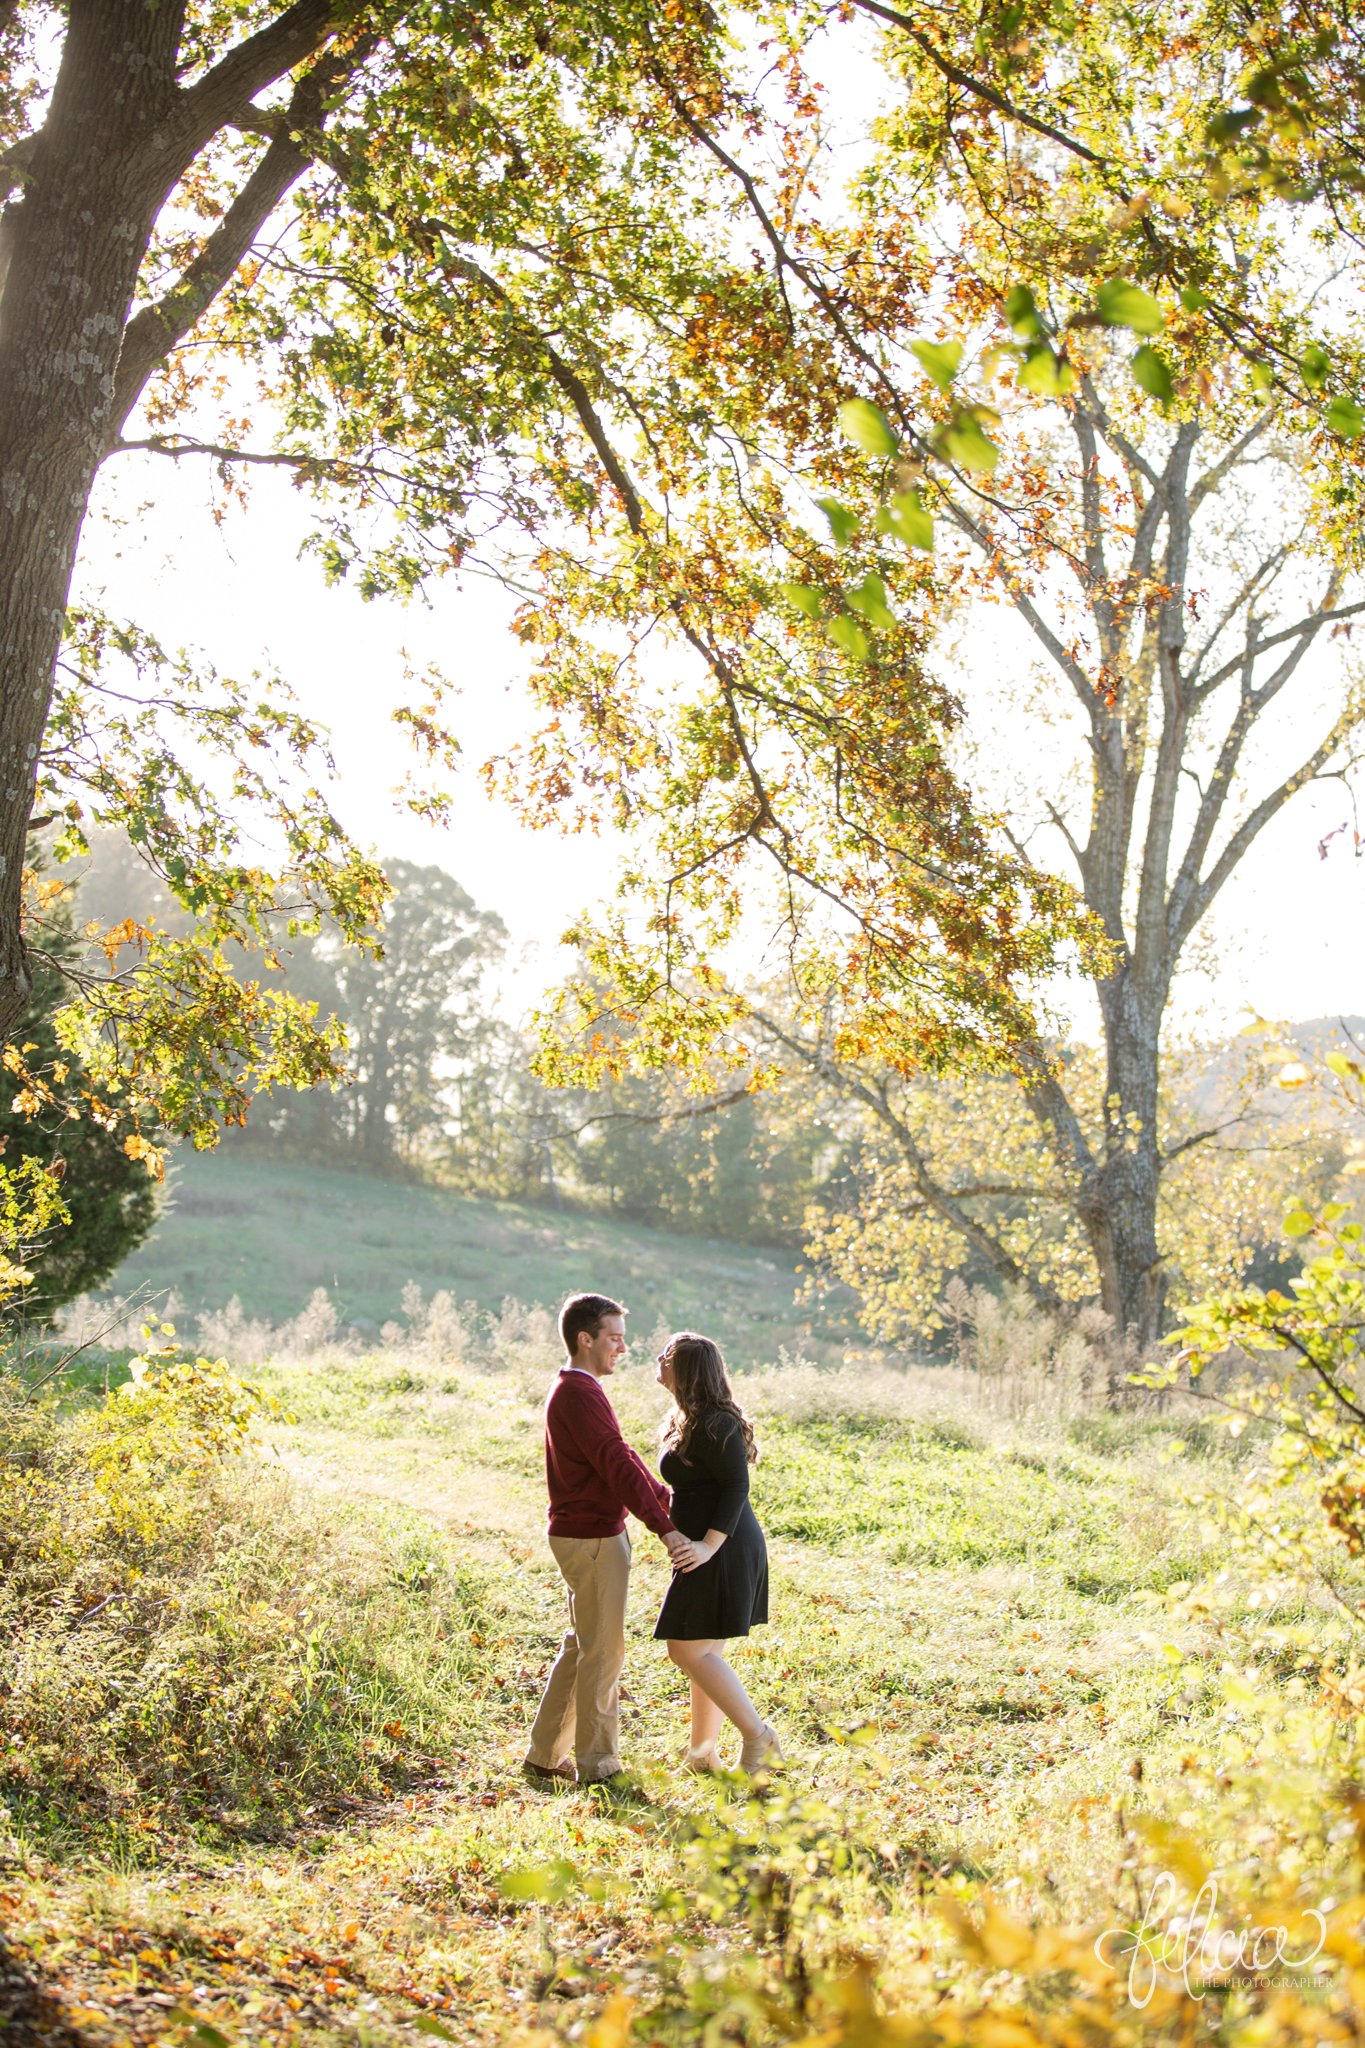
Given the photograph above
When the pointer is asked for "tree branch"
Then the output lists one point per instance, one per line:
(1187, 1144)
(987, 542)
(945, 1202)
(1262, 576)
(157, 329)
(977, 87)
(227, 88)
(1227, 462)
(1052, 1108)
(565, 376)
(1126, 450)
(710, 1107)
(1150, 928)
(1310, 626)
(1189, 905)
(176, 447)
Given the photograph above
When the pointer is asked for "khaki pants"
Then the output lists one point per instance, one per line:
(579, 1711)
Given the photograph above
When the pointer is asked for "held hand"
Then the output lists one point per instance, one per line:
(702, 1553)
(680, 1550)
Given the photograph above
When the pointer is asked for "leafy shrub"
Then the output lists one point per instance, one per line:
(182, 1633)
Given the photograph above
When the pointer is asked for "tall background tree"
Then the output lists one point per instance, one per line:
(417, 1016)
(1166, 529)
(1175, 580)
(1143, 473)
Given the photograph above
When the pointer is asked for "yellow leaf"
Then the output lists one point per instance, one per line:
(993, 1938)
(1179, 1851)
(612, 2030)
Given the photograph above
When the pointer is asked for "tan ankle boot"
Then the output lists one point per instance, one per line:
(760, 1751)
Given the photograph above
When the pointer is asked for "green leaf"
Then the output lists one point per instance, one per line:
(843, 524)
(906, 518)
(866, 425)
(1126, 305)
(1021, 311)
(940, 360)
(965, 443)
(1315, 367)
(1345, 417)
(870, 599)
(847, 634)
(425, 2024)
(543, 1882)
(804, 598)
(1297, 1223)
(1152, 373)
(1192, 299)
(202, 2030)
(1046, 373)
(1232, 122)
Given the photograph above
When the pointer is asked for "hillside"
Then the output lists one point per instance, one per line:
(269, 1233)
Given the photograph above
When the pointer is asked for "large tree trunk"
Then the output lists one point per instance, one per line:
(1120, 1204)
(76, 243)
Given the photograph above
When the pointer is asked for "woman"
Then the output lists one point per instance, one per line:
(708, 1447)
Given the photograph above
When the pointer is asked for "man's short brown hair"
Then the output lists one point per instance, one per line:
(584, 1315)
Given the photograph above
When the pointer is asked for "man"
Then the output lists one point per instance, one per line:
(594, 1478)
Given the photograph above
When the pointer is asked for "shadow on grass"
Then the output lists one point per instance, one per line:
(30, 2013)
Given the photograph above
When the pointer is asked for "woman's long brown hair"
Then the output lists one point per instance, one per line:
(701, 1388)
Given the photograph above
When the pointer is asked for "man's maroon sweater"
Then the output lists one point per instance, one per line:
(593, 1474)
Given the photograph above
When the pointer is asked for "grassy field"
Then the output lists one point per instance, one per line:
(965, 1662)
(271, 1233)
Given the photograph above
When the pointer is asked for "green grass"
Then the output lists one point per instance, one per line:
(965, 1660)
(270, 1233)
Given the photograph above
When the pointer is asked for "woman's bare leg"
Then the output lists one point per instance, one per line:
(707, 1720)
(709, 1673)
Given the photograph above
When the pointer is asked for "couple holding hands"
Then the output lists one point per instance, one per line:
(702, 1515)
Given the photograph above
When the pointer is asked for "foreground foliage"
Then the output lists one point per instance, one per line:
(185, 1638)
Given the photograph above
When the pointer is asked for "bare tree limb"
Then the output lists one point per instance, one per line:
(945, 1202)
(1191, 899)
(1310, 626)
(989, 545)
(1127, 451)
(1054, 1112)
(177, 447)
(1213, 479)
(1188, 1144)
(710, 1107)
(1150, 932)
(1261, 578)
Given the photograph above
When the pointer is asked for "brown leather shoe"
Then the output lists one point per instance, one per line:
(550, 1774)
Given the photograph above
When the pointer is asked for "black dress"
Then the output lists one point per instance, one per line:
(728, 1595)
